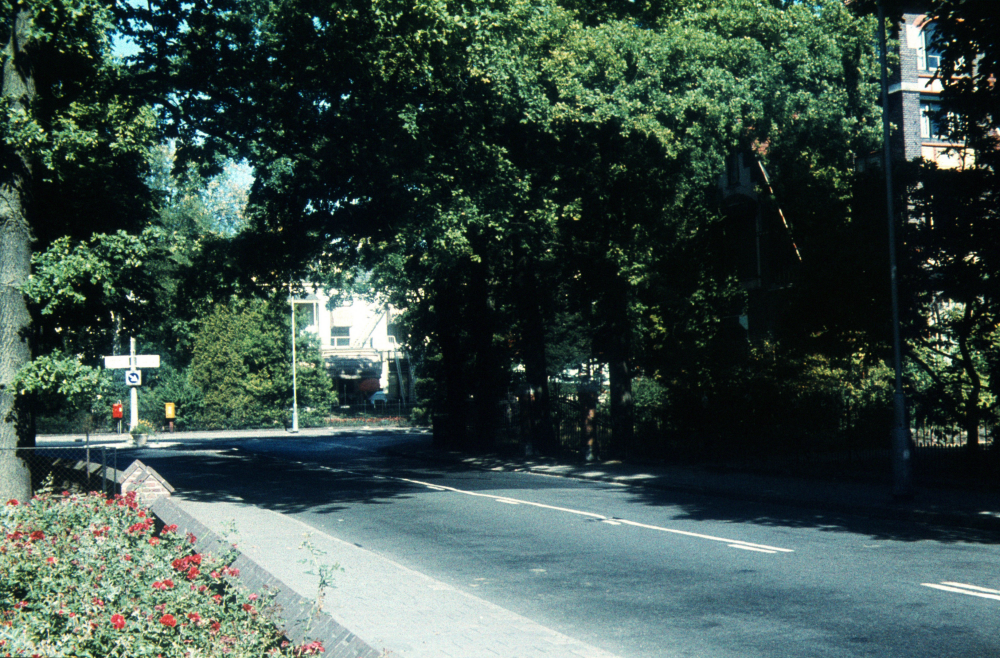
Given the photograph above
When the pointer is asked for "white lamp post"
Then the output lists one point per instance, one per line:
(295, 393)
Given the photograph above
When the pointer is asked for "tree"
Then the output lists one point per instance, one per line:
(241, 364)
(66, 130)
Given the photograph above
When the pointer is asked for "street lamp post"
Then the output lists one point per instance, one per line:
(295, 392)
(902, 465)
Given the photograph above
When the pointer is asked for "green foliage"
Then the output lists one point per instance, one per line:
(61, 382)
(780, 398)
(950, 274)
(241, 365)
(84, 576)
(86, 293)
(171, 385)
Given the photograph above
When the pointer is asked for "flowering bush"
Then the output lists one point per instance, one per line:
(143, 426)
(87, 576)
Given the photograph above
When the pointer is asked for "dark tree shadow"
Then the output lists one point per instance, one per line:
(312, 474)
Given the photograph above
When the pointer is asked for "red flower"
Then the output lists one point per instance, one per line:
(37, 535)
(12, 502)
(118, 621)
(169, 528)
(154, 541)
(168, 620)
(215, 626)
(248, 608)
(217, 598)
(194, 616)
(192, 573)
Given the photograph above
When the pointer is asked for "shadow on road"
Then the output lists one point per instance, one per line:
(309, 474)
(877, 524)
(284, 486)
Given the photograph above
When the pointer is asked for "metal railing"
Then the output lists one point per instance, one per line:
(78, 469)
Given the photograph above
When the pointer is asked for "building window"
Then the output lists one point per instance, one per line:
(928, 54)
(931, 127)
(341, 336)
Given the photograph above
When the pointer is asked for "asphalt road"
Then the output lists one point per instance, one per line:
(637, 572)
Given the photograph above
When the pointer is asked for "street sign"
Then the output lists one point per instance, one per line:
(133, 377)
(114, 362)
(147, 360)
(135, 361)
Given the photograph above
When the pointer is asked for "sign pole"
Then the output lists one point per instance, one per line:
(133, 419)
(295, 392)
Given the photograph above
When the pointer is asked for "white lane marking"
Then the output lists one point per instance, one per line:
(752, 548)
(709, 537)
(734, 543)
(969, 590)
(975, 587)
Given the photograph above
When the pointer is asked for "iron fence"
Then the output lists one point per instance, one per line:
(391, 413)
(78, 469)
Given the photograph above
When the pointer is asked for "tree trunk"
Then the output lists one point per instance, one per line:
(450, 427)
(16, 428)
(972, 413)
(487, 380)
(620, 372)
(543, 436)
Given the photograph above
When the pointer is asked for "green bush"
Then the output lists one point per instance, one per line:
(241, 364)
(86, 576)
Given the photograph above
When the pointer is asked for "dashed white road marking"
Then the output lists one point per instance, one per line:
(969, 590)
(752, 548)
(732, 543)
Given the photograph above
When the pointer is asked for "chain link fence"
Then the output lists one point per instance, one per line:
(78, 469)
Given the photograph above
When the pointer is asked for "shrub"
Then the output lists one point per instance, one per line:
(86, 576)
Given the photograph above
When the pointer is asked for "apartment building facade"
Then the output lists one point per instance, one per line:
(358, 339)
(914, 95)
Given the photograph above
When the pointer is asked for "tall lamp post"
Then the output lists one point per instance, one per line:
(295, 392)
(902, 465)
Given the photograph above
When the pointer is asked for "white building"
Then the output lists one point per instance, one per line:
(358, 341)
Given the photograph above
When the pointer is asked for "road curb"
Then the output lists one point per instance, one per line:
(291, 610)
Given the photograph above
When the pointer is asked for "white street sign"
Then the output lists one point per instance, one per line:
(134, 361)
(113, 362)
(133, 377)
(147, 360)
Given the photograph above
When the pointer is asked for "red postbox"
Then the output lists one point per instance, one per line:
(116, 411)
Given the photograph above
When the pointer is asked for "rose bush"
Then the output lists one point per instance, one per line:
(81, 575)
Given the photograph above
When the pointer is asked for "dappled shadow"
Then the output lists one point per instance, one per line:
(283, 486)
(326, 474)
(877, 517)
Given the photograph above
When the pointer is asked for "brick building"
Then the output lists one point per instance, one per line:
(914, 94)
